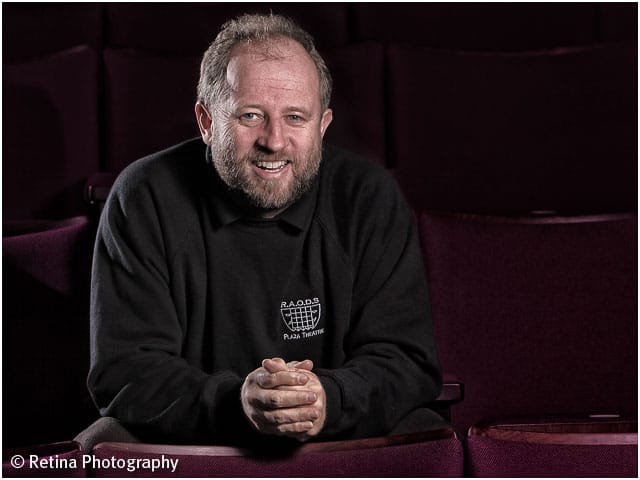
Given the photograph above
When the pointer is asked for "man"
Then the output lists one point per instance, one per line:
(258, 284)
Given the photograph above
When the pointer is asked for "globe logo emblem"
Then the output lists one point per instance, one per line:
(301, 315)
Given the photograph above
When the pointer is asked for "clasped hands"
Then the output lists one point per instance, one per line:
(284, 399)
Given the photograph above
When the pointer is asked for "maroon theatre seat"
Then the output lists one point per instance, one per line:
(48, 156)
(62, 459)
(150, 102)
(35, 30)
(358, 100)
(577, 447)
(513, 133)
(430, 454)
(479, 26)
(46, 273)
(189, 28)
(537, 316)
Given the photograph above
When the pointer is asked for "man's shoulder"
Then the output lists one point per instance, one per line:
(351, 178)
(166, 172)
(162, 165)
(338, 161)
(358, 198)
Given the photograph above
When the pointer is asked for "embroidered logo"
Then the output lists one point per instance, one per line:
(301, 315)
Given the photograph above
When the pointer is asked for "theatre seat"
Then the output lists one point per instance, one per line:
(537, 316)
(359, 123)
(478, 26)
(431, 454)
(189, 28)
(62, 459)
(512, 133)
(49, 154)
(45, 327)
(570, 447)
(134, 103)
(26, 25)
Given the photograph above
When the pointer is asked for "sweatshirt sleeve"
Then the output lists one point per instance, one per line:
(392, 365)
(137, 374)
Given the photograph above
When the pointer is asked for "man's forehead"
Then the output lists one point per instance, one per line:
(247, 58)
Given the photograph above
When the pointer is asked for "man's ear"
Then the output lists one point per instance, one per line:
(327, 117)
(204, 122)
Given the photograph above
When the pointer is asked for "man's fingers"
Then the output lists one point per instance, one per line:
(277, 364)
(291, 428)
(285, 378)
(284, 416)
(274, 399)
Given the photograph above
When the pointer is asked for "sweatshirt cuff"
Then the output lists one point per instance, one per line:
(333, 394)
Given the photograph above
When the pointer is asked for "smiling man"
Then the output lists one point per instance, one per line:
(256, 283)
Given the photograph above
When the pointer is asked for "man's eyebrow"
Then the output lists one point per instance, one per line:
(295, 109)
(301, 110)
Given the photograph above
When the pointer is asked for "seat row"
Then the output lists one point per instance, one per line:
(534, 316)
(462, 131)
(561, 448)
(188, 27)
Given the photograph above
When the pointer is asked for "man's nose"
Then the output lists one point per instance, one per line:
(272, 137)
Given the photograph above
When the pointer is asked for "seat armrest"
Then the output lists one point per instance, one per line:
(98, 187)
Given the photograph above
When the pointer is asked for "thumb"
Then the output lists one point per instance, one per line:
(274, 365)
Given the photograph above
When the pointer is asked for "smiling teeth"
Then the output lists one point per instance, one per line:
(271, 166)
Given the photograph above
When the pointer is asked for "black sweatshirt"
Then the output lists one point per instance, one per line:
(188, 297)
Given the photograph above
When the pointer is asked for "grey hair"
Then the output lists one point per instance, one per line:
(213, 86)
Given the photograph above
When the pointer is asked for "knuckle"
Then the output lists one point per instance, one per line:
(264, 379)
(275, 401)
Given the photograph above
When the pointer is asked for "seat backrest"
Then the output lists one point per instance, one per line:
(535, 316)
(137, 95)
(478, 26)
(514, 133)
(189, 28)
(36, 30)
(358, 106)
(50, 152)
(46, 333)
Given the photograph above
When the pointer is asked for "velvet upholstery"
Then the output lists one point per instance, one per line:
(432, 454)
(513, 133)
(142, 87)
(64, 26)
(50, 140)
(479, 26)
(536, 316)
(587, 447)
(46, 331)
(358, 100)
(189, 28)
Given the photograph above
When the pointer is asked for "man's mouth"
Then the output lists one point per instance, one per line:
(272, 166)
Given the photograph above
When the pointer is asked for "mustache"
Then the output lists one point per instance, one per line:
(255, 157)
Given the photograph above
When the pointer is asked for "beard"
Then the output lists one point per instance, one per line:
(260, 193)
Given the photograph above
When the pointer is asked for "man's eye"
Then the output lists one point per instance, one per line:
(295, 118)
(249, 116)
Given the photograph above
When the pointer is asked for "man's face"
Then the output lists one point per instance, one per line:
(266, 140)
